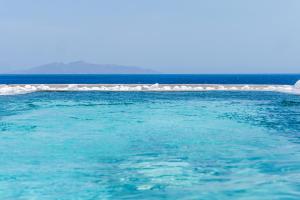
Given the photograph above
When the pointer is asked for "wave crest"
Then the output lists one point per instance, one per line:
(297, 84)
(23, 89)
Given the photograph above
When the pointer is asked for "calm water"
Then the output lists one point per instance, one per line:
(143, 145)
(289, 79)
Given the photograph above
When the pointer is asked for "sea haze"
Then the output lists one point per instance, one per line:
(81, 67)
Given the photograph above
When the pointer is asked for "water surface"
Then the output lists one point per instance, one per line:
(150, 145)
(277, 79)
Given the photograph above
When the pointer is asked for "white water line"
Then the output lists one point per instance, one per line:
(15, 89)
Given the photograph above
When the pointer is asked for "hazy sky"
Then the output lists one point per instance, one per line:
(191, 36)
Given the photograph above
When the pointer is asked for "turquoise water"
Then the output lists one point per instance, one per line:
(150, 145)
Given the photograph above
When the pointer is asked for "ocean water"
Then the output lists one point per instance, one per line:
(150, 145)
(275, 79)
(21, 84)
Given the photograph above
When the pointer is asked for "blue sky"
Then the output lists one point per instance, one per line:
(176, 36)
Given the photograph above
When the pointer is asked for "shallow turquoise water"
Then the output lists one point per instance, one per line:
(143, 145)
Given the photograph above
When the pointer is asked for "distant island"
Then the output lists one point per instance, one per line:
(81, 67)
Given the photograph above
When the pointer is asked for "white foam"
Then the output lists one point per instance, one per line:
(296, 88)
(23, 89)
(297, 84)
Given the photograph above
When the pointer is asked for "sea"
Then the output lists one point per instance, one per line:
(276, 79)
(185, 145)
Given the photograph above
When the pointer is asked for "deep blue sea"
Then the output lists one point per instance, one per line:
(289, 79)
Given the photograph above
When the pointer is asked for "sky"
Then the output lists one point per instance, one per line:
(170, 36)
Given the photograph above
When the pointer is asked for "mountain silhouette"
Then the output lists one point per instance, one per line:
(81, 67)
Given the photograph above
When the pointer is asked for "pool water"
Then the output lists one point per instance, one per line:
(150, 145)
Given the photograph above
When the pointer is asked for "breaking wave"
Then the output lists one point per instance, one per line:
(297, 85)
(23, 89)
